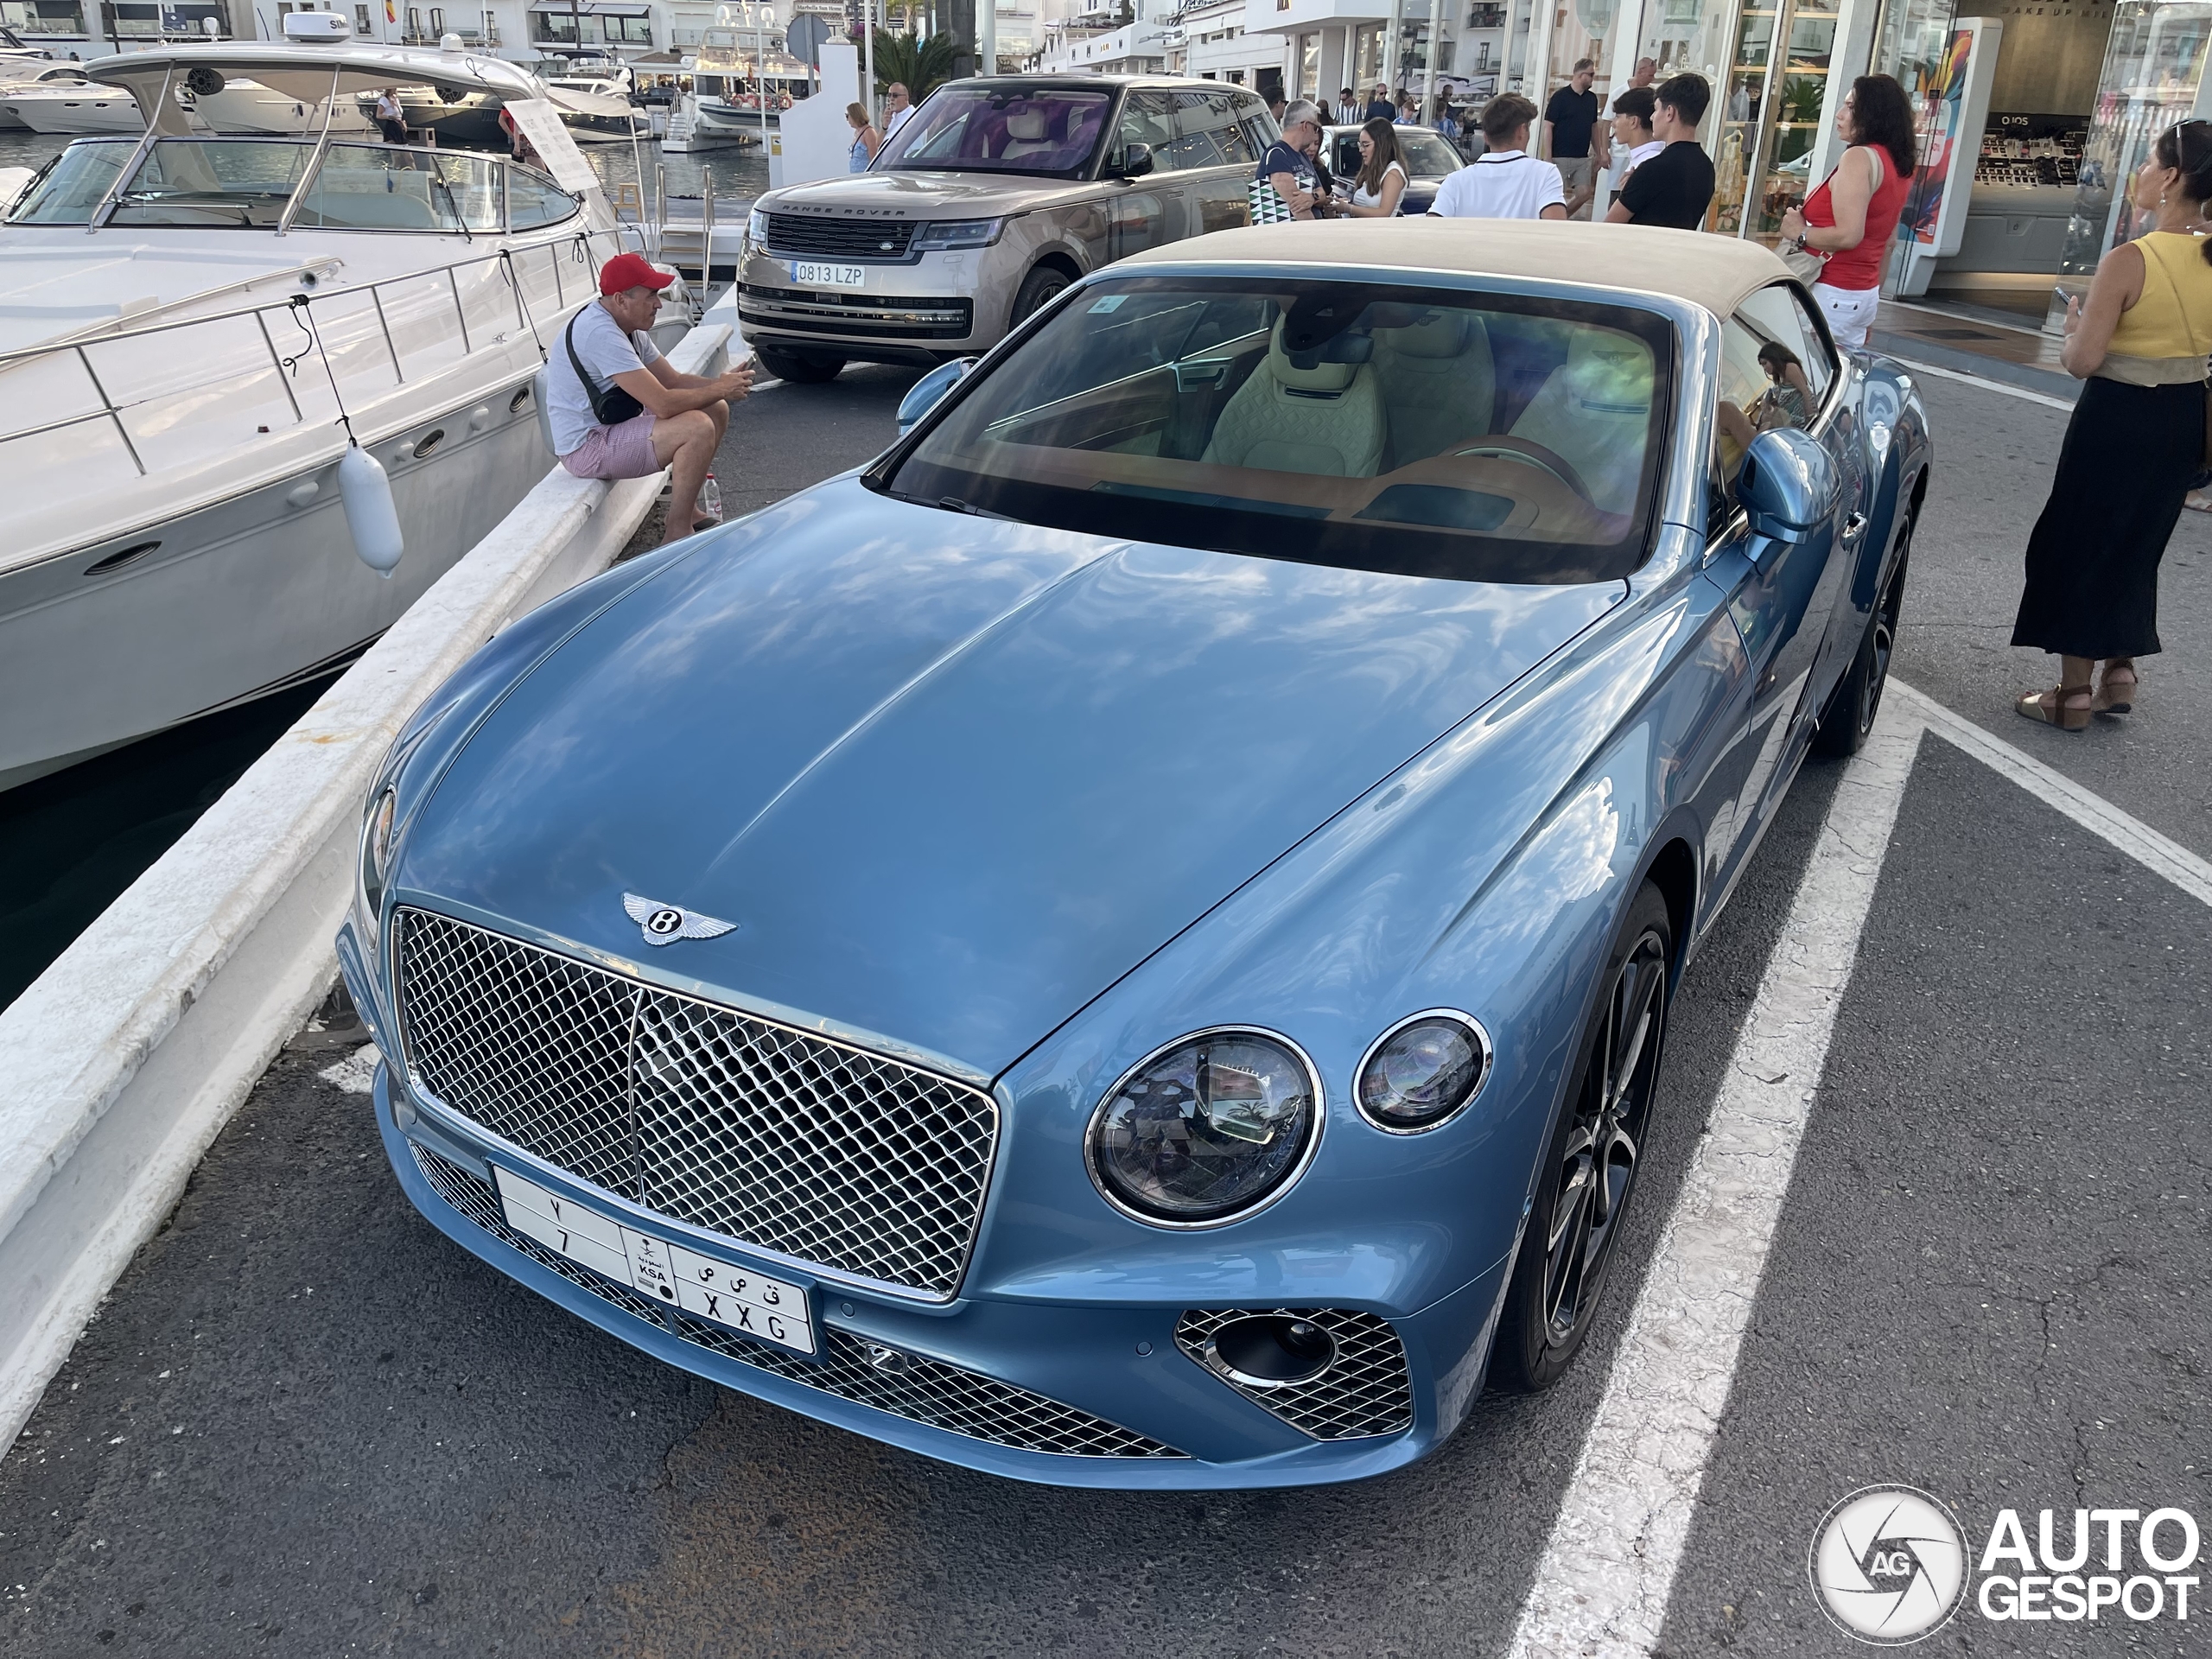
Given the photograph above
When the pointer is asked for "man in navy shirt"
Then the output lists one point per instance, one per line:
(1286, 165)
(1379, 107)
(1570, 124)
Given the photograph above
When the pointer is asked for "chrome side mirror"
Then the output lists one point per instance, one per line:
(922, 396)
(1787, 486)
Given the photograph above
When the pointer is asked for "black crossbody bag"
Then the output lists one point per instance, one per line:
(611, 407)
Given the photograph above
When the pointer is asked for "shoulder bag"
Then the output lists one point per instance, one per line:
(611, 407)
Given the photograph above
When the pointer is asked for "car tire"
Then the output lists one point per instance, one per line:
(1849, 716)
(1039, 289)
(1588, 1172)
(805, 371)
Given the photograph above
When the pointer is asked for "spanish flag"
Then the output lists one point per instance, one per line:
(391, 12)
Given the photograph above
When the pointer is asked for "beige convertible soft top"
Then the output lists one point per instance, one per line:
(1712, 271)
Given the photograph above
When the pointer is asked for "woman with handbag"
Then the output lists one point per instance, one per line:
(1847, 224)
(2137, 440)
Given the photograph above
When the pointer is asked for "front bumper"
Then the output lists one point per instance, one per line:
(982, 1382)
(926, 309)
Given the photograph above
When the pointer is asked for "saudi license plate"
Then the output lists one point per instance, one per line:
(808, 274)
(737, 1298)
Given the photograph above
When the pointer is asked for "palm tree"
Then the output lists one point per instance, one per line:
(924, 65)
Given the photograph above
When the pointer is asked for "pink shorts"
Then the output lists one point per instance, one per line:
(623, 451)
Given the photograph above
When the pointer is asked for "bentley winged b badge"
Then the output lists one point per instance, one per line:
(666, 923)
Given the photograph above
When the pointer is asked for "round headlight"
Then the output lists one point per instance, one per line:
(1421, 1070)
(1206, 1130)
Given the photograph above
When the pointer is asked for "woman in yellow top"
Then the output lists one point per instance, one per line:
(2136, 438)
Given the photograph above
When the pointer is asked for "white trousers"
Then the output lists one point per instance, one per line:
(1849, 312)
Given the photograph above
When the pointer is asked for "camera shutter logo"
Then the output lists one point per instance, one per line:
(1889, 1565)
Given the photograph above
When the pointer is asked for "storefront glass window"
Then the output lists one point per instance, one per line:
(2153, 62)
(1771, 114)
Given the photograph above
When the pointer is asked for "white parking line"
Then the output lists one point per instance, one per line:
(2155, 852)
(1602, 1587)
(2021, 392)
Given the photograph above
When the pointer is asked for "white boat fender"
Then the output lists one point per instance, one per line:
(365, 489)
(538, 387)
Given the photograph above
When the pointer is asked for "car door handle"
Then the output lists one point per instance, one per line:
(1854, 527)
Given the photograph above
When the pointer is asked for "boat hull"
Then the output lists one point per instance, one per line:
(242, 597)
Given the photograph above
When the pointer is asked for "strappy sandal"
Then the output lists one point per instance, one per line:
(2115, 696)
(2051, 709)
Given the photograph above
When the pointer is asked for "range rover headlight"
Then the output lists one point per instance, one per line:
(1421, 1070)
(1205, 1130)
(756, 228)
(942, 235)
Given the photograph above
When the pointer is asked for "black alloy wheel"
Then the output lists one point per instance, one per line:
(1849, 717)
(1588, 1172)
(1039, 289)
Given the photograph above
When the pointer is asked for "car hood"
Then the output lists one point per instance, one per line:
(927, 195)
(949, 776)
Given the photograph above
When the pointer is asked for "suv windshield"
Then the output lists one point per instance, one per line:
(1432, 432)
(998, 127)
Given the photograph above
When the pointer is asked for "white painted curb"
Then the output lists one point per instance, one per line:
(122, 1062)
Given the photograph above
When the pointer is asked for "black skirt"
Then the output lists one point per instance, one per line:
(2093, 561)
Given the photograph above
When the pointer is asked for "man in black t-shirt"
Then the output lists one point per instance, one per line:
(1570, 124)
(1673, 188)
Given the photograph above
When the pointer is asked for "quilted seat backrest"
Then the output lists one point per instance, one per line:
(1595, 413)
(1439, 382)
(1326, 420)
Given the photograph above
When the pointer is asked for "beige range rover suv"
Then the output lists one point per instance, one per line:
(997, 194)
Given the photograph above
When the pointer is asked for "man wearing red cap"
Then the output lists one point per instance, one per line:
(619, 410)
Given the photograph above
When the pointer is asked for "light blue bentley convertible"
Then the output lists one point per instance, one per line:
(1127, 944)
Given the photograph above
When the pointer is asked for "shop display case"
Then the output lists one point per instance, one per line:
(1771, 115)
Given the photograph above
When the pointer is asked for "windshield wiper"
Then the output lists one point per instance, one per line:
(954, 504)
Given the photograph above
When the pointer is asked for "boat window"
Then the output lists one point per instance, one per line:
(1443, 432)
(469, 186)
(1000, 127)
(74, 183)
(534, 200)
(377, 187)
(214, 183)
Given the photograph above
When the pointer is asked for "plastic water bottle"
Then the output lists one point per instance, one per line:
(710, 499)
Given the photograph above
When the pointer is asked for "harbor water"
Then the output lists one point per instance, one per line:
(73, 840)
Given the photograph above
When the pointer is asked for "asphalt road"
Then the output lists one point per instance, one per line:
(305, 1423)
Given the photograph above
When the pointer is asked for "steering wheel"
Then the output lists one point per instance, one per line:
(1521, 450)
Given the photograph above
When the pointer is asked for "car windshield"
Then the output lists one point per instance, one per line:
(1427, 153)
(1001, 127)
(1434, 432)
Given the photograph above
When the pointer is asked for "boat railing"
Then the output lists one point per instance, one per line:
(352, 344)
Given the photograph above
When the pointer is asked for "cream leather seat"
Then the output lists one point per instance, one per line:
(1595, 414)
(1438, 383)
(1326, 420)
(1025, 135)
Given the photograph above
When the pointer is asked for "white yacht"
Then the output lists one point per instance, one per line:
(20, 77)
(70, 108)
(191, 325)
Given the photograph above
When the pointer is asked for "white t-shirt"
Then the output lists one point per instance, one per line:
(1638, 157)
(898, 118)
(1362, 197)
(606, 352)
(1504, 184)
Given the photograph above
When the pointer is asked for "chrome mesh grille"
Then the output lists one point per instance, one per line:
(922, 1390)
(1365, 1390)
(777, 1138)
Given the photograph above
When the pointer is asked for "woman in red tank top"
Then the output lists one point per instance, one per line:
(1849, 221)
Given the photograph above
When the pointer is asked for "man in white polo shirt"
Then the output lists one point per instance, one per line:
(1506, 181)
